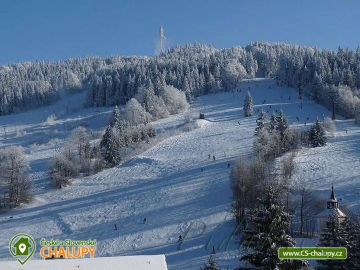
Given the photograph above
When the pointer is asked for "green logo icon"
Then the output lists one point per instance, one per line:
(22, 247)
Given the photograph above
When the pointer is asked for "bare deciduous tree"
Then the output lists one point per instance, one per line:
(247, 181)
(14, 175)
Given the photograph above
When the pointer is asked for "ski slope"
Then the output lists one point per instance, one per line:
(174, 184)
(110, 263)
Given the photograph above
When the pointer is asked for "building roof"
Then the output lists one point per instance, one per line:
(334, 212)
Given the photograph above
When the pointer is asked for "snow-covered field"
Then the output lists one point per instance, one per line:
(174, 185)
(154, 262)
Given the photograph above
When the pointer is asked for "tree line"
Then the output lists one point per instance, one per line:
(328, 77)
(15, 184)
(80, 155)
(265, 201)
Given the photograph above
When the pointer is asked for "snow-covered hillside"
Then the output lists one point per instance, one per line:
(174, 185)
(110, 263)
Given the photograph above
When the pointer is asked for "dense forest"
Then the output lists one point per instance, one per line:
(326, 76)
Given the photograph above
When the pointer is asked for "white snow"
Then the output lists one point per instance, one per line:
(154, 262)
(165, 184)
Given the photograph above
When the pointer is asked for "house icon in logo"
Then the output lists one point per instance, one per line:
(22, 246)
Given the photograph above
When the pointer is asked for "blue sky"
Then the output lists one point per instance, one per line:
(60, 29)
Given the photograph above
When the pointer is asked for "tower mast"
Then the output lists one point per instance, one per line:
(162, 39)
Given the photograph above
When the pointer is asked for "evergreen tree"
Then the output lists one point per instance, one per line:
(211, 265)
(115, 117)
(344, 233)
(123, 130)
(281, 124)
(273, 123)
(269, 230)
(331, 237)
(261, 122)
(317, 135)
(316, 87)
(110, 147)
(248, 105)
(282, 128)
(351, 234)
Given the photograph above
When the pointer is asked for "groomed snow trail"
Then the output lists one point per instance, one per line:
(165, 184)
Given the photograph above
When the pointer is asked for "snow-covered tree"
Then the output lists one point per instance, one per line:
(282, 127)
(345, 233)
(317, 135)
(357, 117)
(262, 143)
(80, 140)
(273, 123)
(317, 86)
(110, 147)
(248, 105)
(152, 103)
(194, 69)
(233, 72)
(268, 231)
(329, 125)
(211, 265)
(276, 138)
(64, 166)
(174, 99)
(281, 123)
(135, 113)
(246, 180)
(14, 176)
(351, 235)
(260, 122)
(115, 117)
(346, 101)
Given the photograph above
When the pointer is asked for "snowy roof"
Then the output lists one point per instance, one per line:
(153, 262)
(336, 212)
